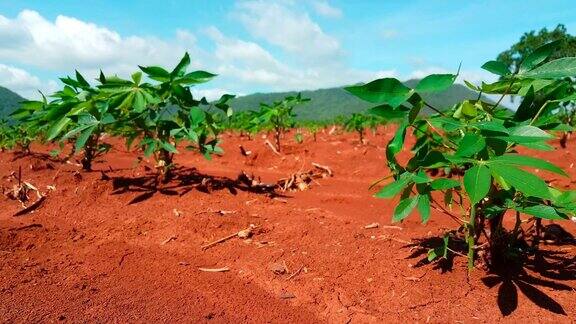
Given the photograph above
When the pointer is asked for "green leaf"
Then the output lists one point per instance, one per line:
(196, 77)
(521, 180)
(435, 83)
(57, 128)
(137, 77)
(496, 67)
(404, 208)
(541, 211)
(557, 69)
(424, 207)
(155, 73)
(444, 184)
(395, 187)
(492, 126)
(470, 144)
(180, 69)
(168, 147)
(387, 112)
(387, 90)
(150, 148)
(197, 116)
(527, 134)
(522, 160)
(477, 182)
(81, 80)
(538, 56)
(83, 138)
(526, 109)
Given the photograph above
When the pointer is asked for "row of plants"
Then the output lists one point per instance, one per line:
(153, 110)
(464, 162)
(475, 143)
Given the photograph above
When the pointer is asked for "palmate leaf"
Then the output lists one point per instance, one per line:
(83, 137)
(155, 73)
(526, 134)
(541, 211)
(444, 184)
(387, 90)
(388, 112)
(404, 208)
(435, 83)
(497, 68)
(521, 180)
(538, 56)
(557, 69)
(395, 187)
(477, 181)
(470, 145)
(181, 67)
(424, 207)
(518, 160)
(195, 77)
(57, 128)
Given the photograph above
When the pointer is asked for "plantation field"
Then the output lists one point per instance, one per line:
(109, 246)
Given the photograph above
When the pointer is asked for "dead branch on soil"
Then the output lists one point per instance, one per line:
(295, 273)
(168, 240)
(301, 181)
(243, 234)
(254, 182)
(22, 190)
(271, 146)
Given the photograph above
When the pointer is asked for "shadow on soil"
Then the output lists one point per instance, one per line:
(185, 180)
(544, 268)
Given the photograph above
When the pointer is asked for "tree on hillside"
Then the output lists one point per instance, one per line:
(532, 40)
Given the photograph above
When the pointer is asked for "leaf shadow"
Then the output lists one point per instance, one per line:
(183, 181)
(550, 269)
(544, 268)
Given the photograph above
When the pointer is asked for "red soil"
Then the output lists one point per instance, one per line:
(87, 255)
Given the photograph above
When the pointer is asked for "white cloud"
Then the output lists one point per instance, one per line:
(24, 83)
(69, 42)
(305, 57)
(323, 8)
(281, 25)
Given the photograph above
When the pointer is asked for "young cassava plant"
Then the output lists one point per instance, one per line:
(163, 113)
(481, 139)
(77, 113)
(279, 116)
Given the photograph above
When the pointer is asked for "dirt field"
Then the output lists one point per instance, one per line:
(108, 247)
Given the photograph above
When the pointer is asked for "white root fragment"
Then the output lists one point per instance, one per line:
(243, 234)
(371, 226)
(224, 269)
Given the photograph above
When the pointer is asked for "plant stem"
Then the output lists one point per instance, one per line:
(471, 233)
(435, 109)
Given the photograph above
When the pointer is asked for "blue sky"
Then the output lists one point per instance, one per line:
(272, 45)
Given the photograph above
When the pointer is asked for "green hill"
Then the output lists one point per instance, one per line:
(329, 103)
(9, 101)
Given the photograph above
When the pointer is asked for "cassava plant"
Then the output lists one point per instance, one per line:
(78, 113)
(16, 136)
(279, 116)
(359, 122)
(482, 140)
(161, 112)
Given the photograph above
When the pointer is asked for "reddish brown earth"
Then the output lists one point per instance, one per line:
(88, 255)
